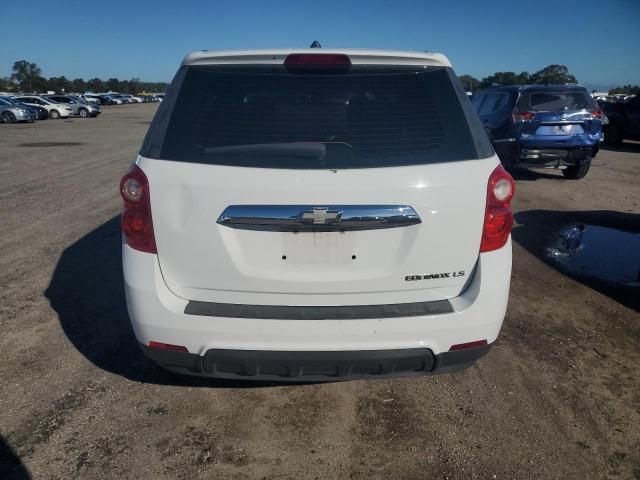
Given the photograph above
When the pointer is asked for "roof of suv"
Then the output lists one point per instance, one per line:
(277, 56)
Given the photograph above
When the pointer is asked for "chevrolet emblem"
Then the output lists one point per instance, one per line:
(321, 216)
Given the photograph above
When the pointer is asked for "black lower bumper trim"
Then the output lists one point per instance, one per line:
(302, 366)
(341, 312)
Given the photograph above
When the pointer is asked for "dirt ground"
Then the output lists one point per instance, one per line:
(558, 397)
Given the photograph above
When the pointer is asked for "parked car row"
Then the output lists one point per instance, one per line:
(617, 98)
(121, 98)
(28, 108)
(12, 110)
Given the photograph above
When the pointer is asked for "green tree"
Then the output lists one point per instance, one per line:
(95, 85)
(59, 84)
(112, 85)
(124, 86)
(134, 85)
(24, 74)
(627, 89)
(38, 84)
(471, 84)
(555, 74)
(6, 85)
(78, 85)
(505, 78)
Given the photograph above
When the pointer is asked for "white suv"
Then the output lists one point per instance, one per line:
(308, 215)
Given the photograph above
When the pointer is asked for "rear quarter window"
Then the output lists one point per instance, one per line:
(493, 102)
(365, 118)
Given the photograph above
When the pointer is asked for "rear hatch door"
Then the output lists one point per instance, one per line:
(558, 115)
(268, 187)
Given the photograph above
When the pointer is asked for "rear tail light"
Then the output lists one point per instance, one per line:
(523, 116)
(168, 346)
(465, 346)
(317, 63)
(498, 219)
(597, 114)
(137, 224)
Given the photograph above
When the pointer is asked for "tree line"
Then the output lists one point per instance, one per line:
(554, 74)
(628, 89)
(551, 74)
(27, 77)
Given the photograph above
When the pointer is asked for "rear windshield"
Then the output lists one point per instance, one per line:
(555, 101)
(267, 117)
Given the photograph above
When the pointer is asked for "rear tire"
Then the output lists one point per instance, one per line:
(613, 134)
(54, 114)
(83, 112)
(8, 117)
(576, 172)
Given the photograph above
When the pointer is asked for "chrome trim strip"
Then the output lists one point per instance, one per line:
(299, 218)
(503, 140)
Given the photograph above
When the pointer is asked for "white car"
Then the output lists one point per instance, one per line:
(89, 99)
(56, 110)
(308, 215)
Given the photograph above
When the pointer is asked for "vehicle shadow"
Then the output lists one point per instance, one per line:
(527, 175)
(11, 467)
(537, 229)
(86, 291)
(626, 146)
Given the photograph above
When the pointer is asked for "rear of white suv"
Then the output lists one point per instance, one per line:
(303, 215)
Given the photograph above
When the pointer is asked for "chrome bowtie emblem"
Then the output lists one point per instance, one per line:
(321, 216)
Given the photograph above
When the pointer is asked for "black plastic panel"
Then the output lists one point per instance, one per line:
(341, 312)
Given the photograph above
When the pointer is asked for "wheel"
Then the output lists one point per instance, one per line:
(613, 134)
(576, 172)
(8, 117)
(83, 112)
(54, 114)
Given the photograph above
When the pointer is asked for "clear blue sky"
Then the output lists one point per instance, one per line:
(599, 40)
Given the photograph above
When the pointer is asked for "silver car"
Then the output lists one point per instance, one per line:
(78, 106)
(11, 113)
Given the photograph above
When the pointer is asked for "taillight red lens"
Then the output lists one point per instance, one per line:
(596, 113)
(465, 346)
(523, 116)
(137, 224)
(498, 218)
(317, 63)
(168, 346)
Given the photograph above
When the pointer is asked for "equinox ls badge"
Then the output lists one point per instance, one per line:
(431, 276)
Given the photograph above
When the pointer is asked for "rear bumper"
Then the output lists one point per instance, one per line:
(553, 157)
(157, 314)
(297, 366)
(545, 152)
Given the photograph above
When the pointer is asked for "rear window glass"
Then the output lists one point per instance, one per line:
(556, 101)
(274, 119)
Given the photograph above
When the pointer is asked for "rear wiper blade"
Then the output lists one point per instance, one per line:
(309, 150)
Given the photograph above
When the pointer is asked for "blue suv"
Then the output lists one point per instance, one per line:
(557, 126)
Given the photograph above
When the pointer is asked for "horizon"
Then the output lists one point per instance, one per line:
(477, 39)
